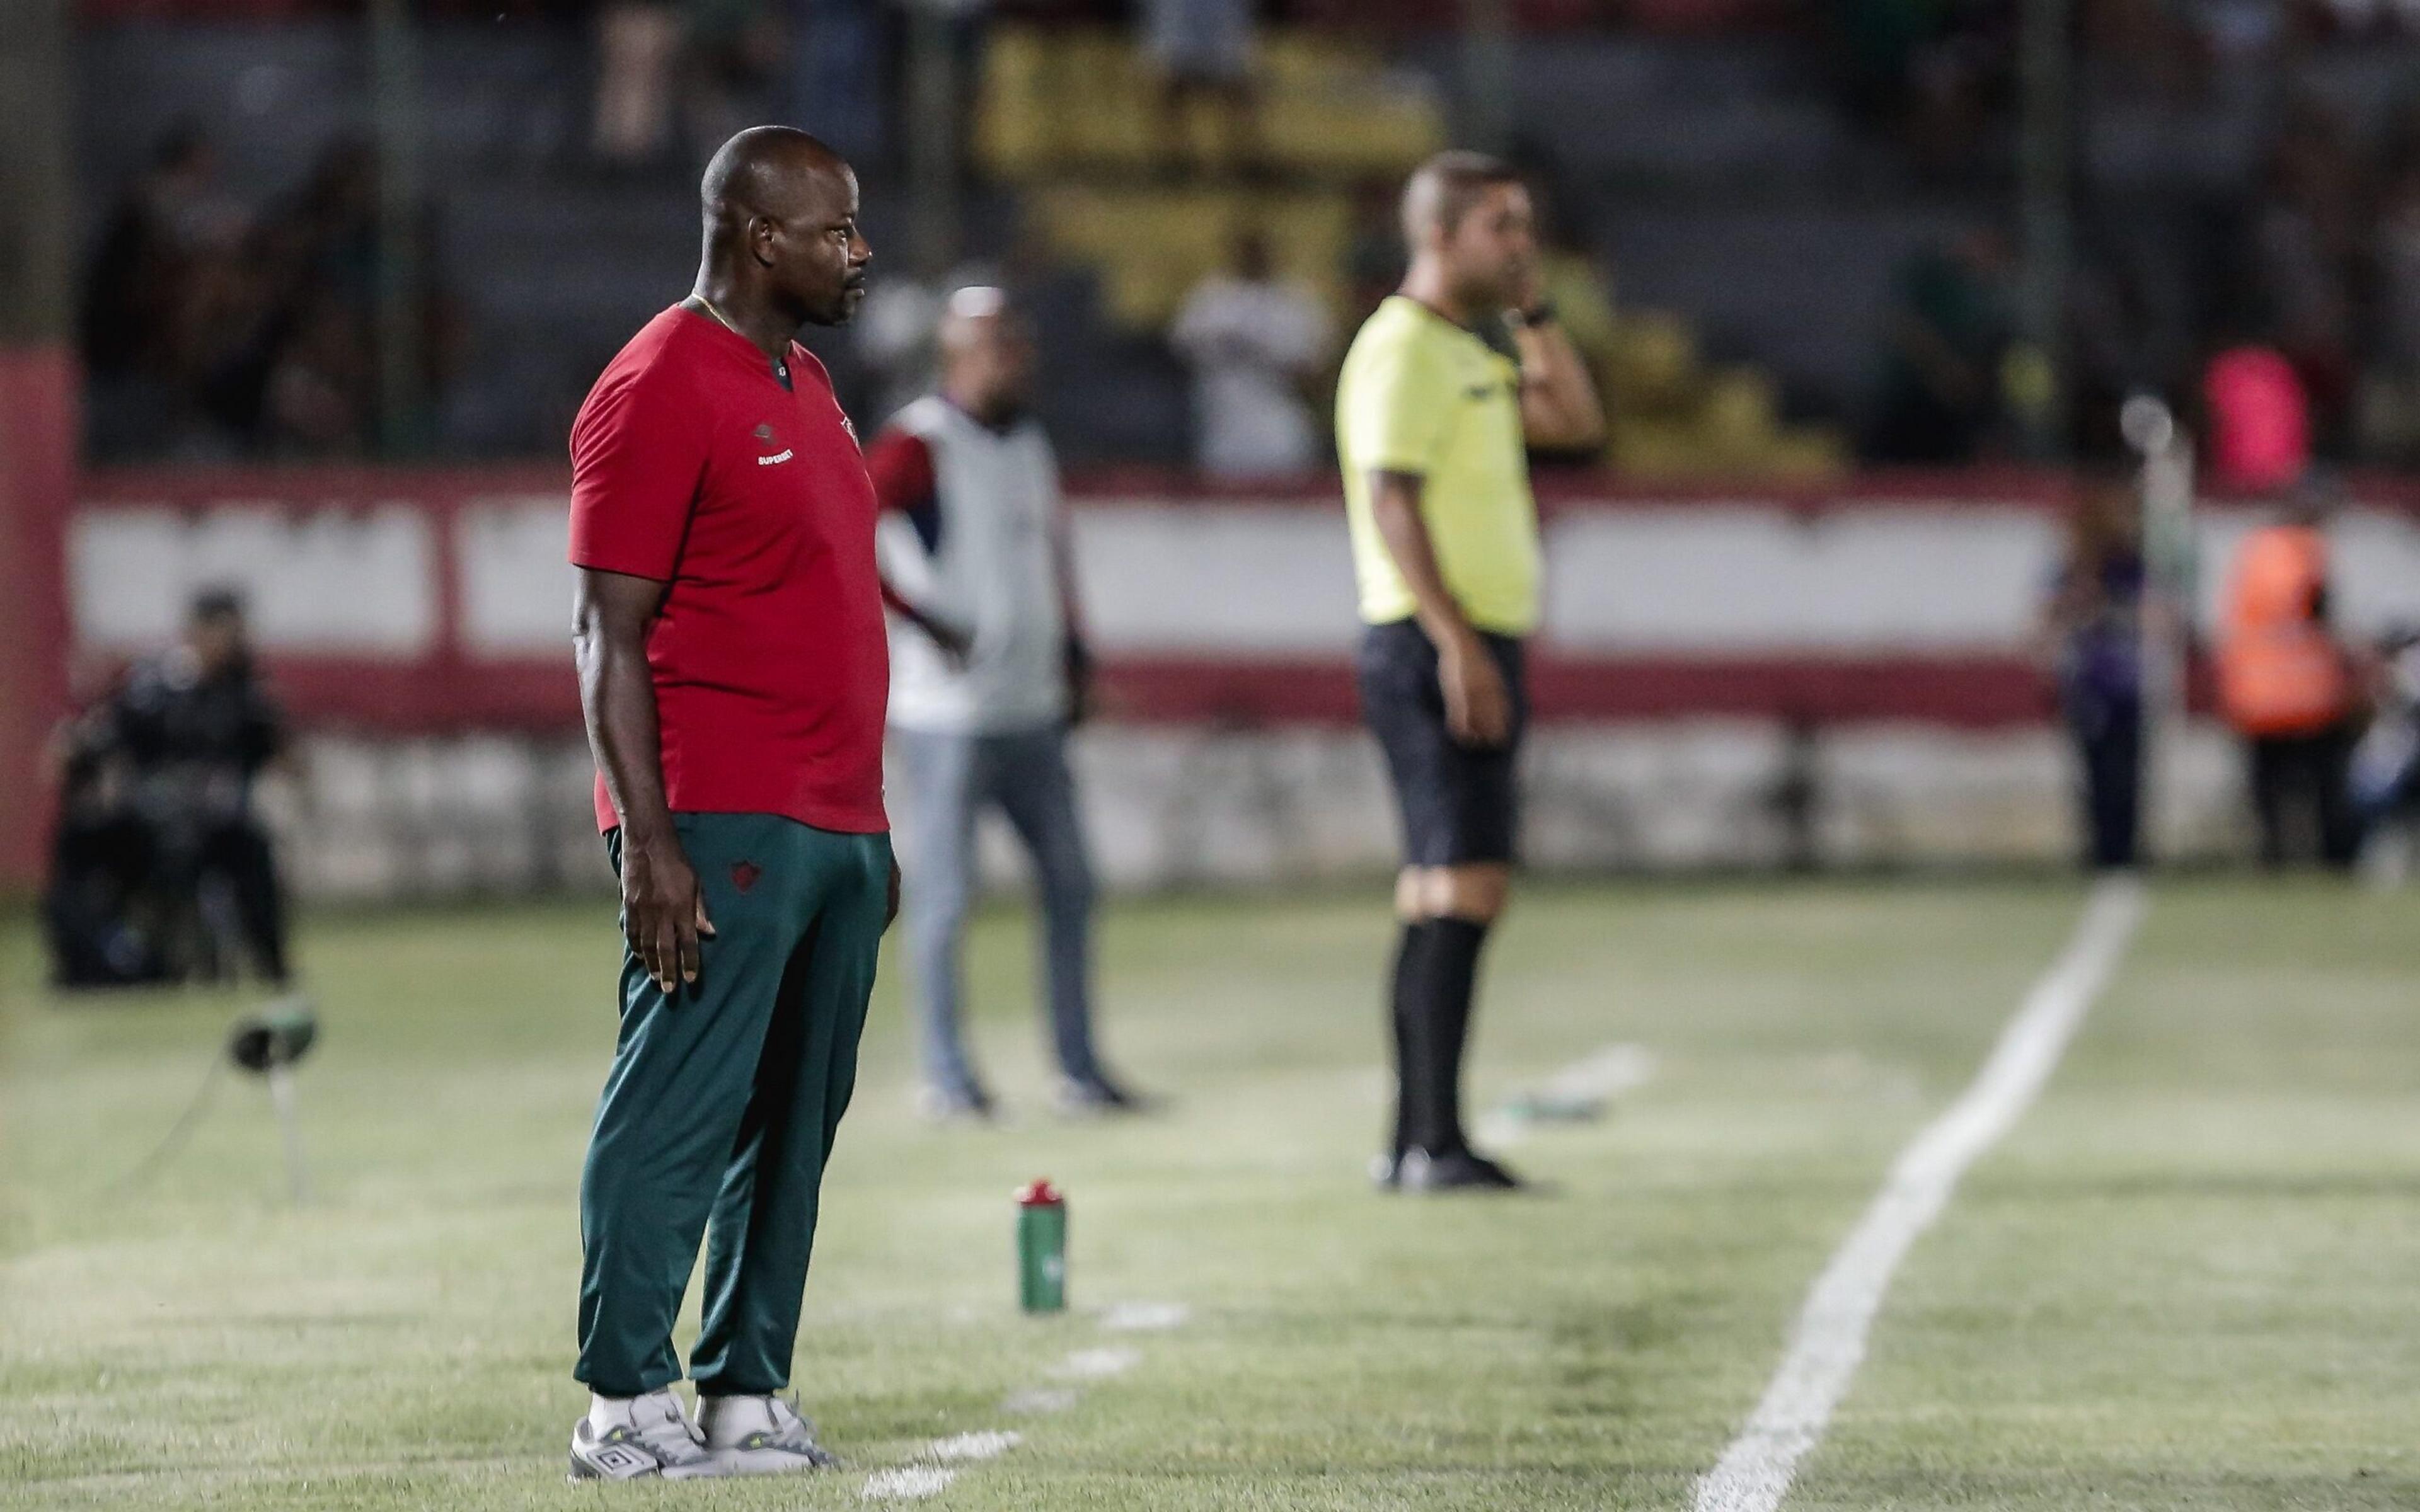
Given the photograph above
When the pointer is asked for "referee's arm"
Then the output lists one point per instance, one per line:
(1478, 706)
(1560, 409)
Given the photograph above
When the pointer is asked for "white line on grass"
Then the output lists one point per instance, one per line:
(909, 1483)
(930, 1476)
(1038, 1399)
(986, 1445)
(1145, 1317)
(1096, 1365)
(1830, 1338)
(1592, 1080)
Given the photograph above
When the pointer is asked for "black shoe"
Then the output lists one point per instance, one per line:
(1096, 1096)
(1456, 1170)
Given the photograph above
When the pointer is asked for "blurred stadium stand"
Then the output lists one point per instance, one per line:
(1751, 195)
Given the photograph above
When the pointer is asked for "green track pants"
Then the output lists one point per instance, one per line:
(722, 1102)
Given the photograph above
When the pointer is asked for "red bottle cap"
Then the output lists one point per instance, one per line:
(1039, 1194)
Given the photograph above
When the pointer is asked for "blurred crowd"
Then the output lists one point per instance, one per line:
(2281, 312)
(215, 329)
(2284, 311)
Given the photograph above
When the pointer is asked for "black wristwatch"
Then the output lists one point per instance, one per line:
(1540, 314)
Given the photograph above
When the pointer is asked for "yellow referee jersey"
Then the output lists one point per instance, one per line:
(1421, 394)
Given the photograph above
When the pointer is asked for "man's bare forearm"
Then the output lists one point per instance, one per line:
(1558, 400)
(617, 702)
(1395, 506)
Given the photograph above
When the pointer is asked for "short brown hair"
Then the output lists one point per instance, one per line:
(1442, 190)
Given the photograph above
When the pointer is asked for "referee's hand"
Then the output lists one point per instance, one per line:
(663, 911)
(1478, 706)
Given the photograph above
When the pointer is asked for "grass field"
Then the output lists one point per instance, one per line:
(2189, 1278)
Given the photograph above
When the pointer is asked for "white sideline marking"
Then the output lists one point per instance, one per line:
(1145, 1317)
(986, 1445)
(1039, 1399)
(1829, 1341)
(909, 1483)
(1094, 1364)
(915, 1482)
(1606, 1074)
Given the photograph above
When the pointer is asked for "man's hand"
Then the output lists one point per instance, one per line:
(1478, 706)
(663, 911)
(1079, 663)
(956, 645)
(890, 905)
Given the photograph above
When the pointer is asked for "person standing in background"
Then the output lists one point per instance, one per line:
(1254, 340)
(2093, 635)
(2287, 686)
(1432, 423)
(988, 679)
(158, 815)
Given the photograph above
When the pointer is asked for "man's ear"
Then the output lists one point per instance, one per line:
(762, 229)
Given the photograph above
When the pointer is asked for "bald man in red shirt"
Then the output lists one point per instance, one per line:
(734, 674)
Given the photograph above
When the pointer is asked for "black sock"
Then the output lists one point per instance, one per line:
(1448, 971)
(1411, 950)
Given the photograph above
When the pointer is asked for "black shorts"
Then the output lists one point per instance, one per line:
(1458, 802)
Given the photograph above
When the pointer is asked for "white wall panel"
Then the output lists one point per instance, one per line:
(516, 583)
(353, 581)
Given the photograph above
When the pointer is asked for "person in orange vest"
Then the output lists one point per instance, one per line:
(2286, 685)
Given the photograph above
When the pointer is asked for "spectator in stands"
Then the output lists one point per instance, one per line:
(733, 52)
(152, 293)
(2288, 685)
(1925, 73)
(162, 862)
(2257, 418)
(318, 400)
(2390, 398)
(638, 48)
(2093, 638)
(985, 685)
(307, 385)
(2304, 245)
(1945, 340)
(1255, 341)
(1202, 50)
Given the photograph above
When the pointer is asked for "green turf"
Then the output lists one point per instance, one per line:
(2187, 1280)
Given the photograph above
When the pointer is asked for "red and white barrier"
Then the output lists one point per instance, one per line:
(1702, 656)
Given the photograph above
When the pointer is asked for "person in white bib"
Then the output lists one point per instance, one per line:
(987, 674)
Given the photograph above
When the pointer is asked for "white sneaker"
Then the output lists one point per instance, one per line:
(759, 1436)
(653, 1439)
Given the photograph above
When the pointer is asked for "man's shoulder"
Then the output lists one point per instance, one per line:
(805, 365)
(1401, 341)
(660, 358)
(921, 418)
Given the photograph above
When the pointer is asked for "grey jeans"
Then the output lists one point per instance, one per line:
(951, 779)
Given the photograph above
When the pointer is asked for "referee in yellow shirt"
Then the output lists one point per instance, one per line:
(1432, 426)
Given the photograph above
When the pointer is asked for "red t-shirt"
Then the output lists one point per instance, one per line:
(691, 463)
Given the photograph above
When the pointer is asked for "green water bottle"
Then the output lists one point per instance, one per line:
(1041, 1248)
